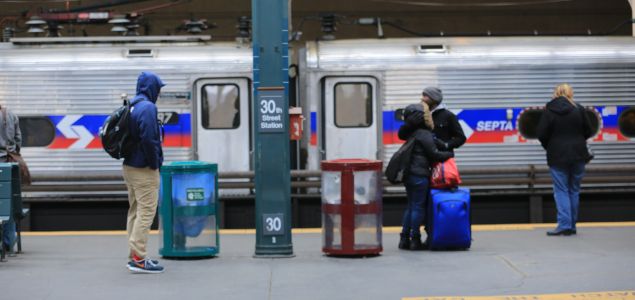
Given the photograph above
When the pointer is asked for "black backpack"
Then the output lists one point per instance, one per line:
(399, 162)
(115, 132)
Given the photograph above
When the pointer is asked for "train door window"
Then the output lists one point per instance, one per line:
(36, 131)
(626, 122)
(221, 131)
(352, 122)
(220, 106)
(353, 105)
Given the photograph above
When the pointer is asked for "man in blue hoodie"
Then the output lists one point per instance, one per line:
(141, 171)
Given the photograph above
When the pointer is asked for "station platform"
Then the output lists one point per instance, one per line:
(505, 262)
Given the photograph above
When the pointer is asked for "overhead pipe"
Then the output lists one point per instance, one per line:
(107, 4)
(396, 25)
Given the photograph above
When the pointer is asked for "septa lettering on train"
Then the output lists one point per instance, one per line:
(501, 125)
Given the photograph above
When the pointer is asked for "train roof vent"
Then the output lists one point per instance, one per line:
(432, 49)
(140, 53)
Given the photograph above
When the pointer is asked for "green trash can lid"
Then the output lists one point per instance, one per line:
(188, 166)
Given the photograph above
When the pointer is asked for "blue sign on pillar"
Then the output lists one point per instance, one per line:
(271, 128)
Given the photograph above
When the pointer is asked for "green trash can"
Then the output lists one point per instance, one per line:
(188, 225)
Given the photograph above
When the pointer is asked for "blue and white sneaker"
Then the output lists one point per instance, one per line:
(144, 266)
(154, 261)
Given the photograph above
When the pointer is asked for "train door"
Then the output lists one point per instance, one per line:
(351, 118)
(222, 123)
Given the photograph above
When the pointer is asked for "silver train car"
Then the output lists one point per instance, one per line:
(63, 89)
(496, 86)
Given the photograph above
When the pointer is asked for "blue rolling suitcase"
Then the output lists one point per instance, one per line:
(449, 219)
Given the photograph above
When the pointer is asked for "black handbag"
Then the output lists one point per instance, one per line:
(399, 162)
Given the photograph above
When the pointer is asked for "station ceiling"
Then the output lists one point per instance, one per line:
(399, 18)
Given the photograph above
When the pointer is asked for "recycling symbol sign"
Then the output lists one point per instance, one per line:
(195, 194)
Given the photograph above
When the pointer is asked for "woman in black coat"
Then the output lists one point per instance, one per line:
(418, 125)
(563, 130)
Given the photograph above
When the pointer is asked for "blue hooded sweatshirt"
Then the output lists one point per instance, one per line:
(144, 128)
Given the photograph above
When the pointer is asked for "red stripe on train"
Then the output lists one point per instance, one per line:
(171, 140)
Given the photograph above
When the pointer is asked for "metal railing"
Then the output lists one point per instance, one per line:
(517, 177)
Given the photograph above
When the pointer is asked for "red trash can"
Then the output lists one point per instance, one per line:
(351, 207)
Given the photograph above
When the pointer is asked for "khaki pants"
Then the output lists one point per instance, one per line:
(143, 197)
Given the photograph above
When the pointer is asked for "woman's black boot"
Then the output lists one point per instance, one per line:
(404, 241)
(415, 243)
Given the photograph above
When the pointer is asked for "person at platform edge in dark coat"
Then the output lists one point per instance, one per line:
(563, 130)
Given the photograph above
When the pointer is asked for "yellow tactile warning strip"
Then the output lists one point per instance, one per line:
(612, 295)
(496, 227)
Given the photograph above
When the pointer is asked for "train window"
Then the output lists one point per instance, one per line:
(36, 131)
(220, 106)
(626, 122)
(529, 118)
(353, 105)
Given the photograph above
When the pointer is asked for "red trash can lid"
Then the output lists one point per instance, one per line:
(354, 164)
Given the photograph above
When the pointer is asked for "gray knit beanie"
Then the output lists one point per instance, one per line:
(434, 93)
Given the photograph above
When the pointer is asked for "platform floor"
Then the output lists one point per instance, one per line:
(506, 261)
